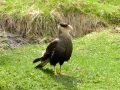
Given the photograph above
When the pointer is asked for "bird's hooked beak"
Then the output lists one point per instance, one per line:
(70, 27)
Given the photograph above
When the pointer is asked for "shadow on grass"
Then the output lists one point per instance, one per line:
(69, 82)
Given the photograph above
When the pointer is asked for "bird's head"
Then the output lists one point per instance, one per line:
(64, 28)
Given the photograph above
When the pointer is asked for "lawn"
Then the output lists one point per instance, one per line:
(94, 65)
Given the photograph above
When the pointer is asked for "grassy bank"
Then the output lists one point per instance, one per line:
(94, 65)
(40, 17)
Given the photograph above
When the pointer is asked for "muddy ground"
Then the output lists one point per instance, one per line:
(9, 40)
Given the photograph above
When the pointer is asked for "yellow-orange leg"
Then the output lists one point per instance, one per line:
(55, 73)
(60, 69)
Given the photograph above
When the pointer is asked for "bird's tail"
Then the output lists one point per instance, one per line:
(37, 59)
(43, 63)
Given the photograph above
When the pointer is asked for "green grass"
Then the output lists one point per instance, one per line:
(105, 9)
(99, 59)
(94, 65)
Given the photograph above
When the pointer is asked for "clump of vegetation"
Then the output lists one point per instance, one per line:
(37, 17)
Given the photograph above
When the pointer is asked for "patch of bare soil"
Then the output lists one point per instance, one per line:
(9, 40)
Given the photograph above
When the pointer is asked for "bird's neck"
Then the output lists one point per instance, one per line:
(67, 35)
(65, 32)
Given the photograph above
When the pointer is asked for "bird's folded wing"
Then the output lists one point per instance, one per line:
(50, 49)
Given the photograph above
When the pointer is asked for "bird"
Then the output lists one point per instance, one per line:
(58, 50)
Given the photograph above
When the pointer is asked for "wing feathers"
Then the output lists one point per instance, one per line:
(46, 54)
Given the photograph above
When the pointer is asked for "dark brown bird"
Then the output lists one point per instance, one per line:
(59, 50)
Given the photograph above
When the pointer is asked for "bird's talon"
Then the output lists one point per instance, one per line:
(61, 73)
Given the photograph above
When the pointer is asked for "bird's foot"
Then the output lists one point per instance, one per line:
(55, 74)
(61, 73)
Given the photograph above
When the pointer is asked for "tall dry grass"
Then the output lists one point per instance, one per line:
(35, 24)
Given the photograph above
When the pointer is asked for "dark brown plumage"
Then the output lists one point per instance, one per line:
(59, 50)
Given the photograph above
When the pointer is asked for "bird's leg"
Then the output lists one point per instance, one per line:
(55, 73)
(61, 73)
(60, 70)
